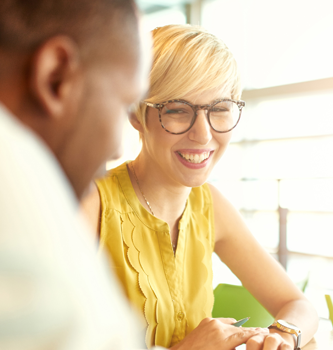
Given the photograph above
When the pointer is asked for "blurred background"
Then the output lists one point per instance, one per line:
(278, 170)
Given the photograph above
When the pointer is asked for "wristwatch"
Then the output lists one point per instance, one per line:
(290, 328)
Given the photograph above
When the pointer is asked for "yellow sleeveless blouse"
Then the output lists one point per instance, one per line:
(173, 292)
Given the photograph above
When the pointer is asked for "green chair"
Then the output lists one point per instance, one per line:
(330, 307)
(237, 302)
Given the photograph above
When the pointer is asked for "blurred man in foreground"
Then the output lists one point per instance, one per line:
(69, 70)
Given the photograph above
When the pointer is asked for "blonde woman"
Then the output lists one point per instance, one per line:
(159, 219)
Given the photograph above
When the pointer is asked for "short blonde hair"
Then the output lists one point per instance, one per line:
(187, 59)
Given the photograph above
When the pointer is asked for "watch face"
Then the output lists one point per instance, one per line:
(288, 325)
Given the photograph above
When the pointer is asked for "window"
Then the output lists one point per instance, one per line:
(275, 42)
(173, 15)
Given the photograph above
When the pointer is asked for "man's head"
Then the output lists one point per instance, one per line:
(69, 70)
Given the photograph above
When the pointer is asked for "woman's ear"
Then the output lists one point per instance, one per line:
(135, 122)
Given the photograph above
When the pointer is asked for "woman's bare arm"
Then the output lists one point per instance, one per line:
(260, 273)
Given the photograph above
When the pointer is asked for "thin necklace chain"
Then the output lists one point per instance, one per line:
(137, 181)
(151, 210)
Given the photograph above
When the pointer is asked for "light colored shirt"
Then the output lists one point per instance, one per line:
(172, 292)
(54, 292)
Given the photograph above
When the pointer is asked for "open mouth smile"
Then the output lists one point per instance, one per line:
(195, 158)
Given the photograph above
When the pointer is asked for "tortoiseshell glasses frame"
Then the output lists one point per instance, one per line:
(208, 107)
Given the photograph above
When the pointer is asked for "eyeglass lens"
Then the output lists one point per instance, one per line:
(177, 117)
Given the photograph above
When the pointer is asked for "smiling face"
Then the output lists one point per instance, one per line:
(193, 65)
(189, 158)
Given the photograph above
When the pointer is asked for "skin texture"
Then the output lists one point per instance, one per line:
(214, 334)
(76, 106)
(162, 175)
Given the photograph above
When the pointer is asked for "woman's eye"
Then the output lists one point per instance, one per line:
(174, 111)
(219, 110)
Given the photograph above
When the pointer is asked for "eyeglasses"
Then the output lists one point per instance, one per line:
(178, 116)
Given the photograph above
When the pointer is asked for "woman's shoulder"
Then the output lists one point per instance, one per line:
(113, 179)
(209, 195)
(201, 196)
(111, 175)
(217, 197)
(112, 186)
(201, 200)
(201, 205)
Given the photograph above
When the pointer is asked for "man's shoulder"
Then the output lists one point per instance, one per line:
(35, 195)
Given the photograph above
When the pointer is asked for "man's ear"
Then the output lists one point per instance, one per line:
(53, 75)
(135, 122)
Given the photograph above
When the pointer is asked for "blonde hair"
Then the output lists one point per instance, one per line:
(187, 59)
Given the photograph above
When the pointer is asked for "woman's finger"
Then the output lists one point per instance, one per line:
(286, 347)
(242, 335)
(256, 342)
(272, 342)
(227, 320)
(275, 342)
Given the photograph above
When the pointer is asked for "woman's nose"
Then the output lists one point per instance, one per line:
(201, 131)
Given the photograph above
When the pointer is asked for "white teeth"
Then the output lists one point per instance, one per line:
(195, 158)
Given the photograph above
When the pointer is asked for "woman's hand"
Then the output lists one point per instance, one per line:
(218, 334)
(275, 340)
